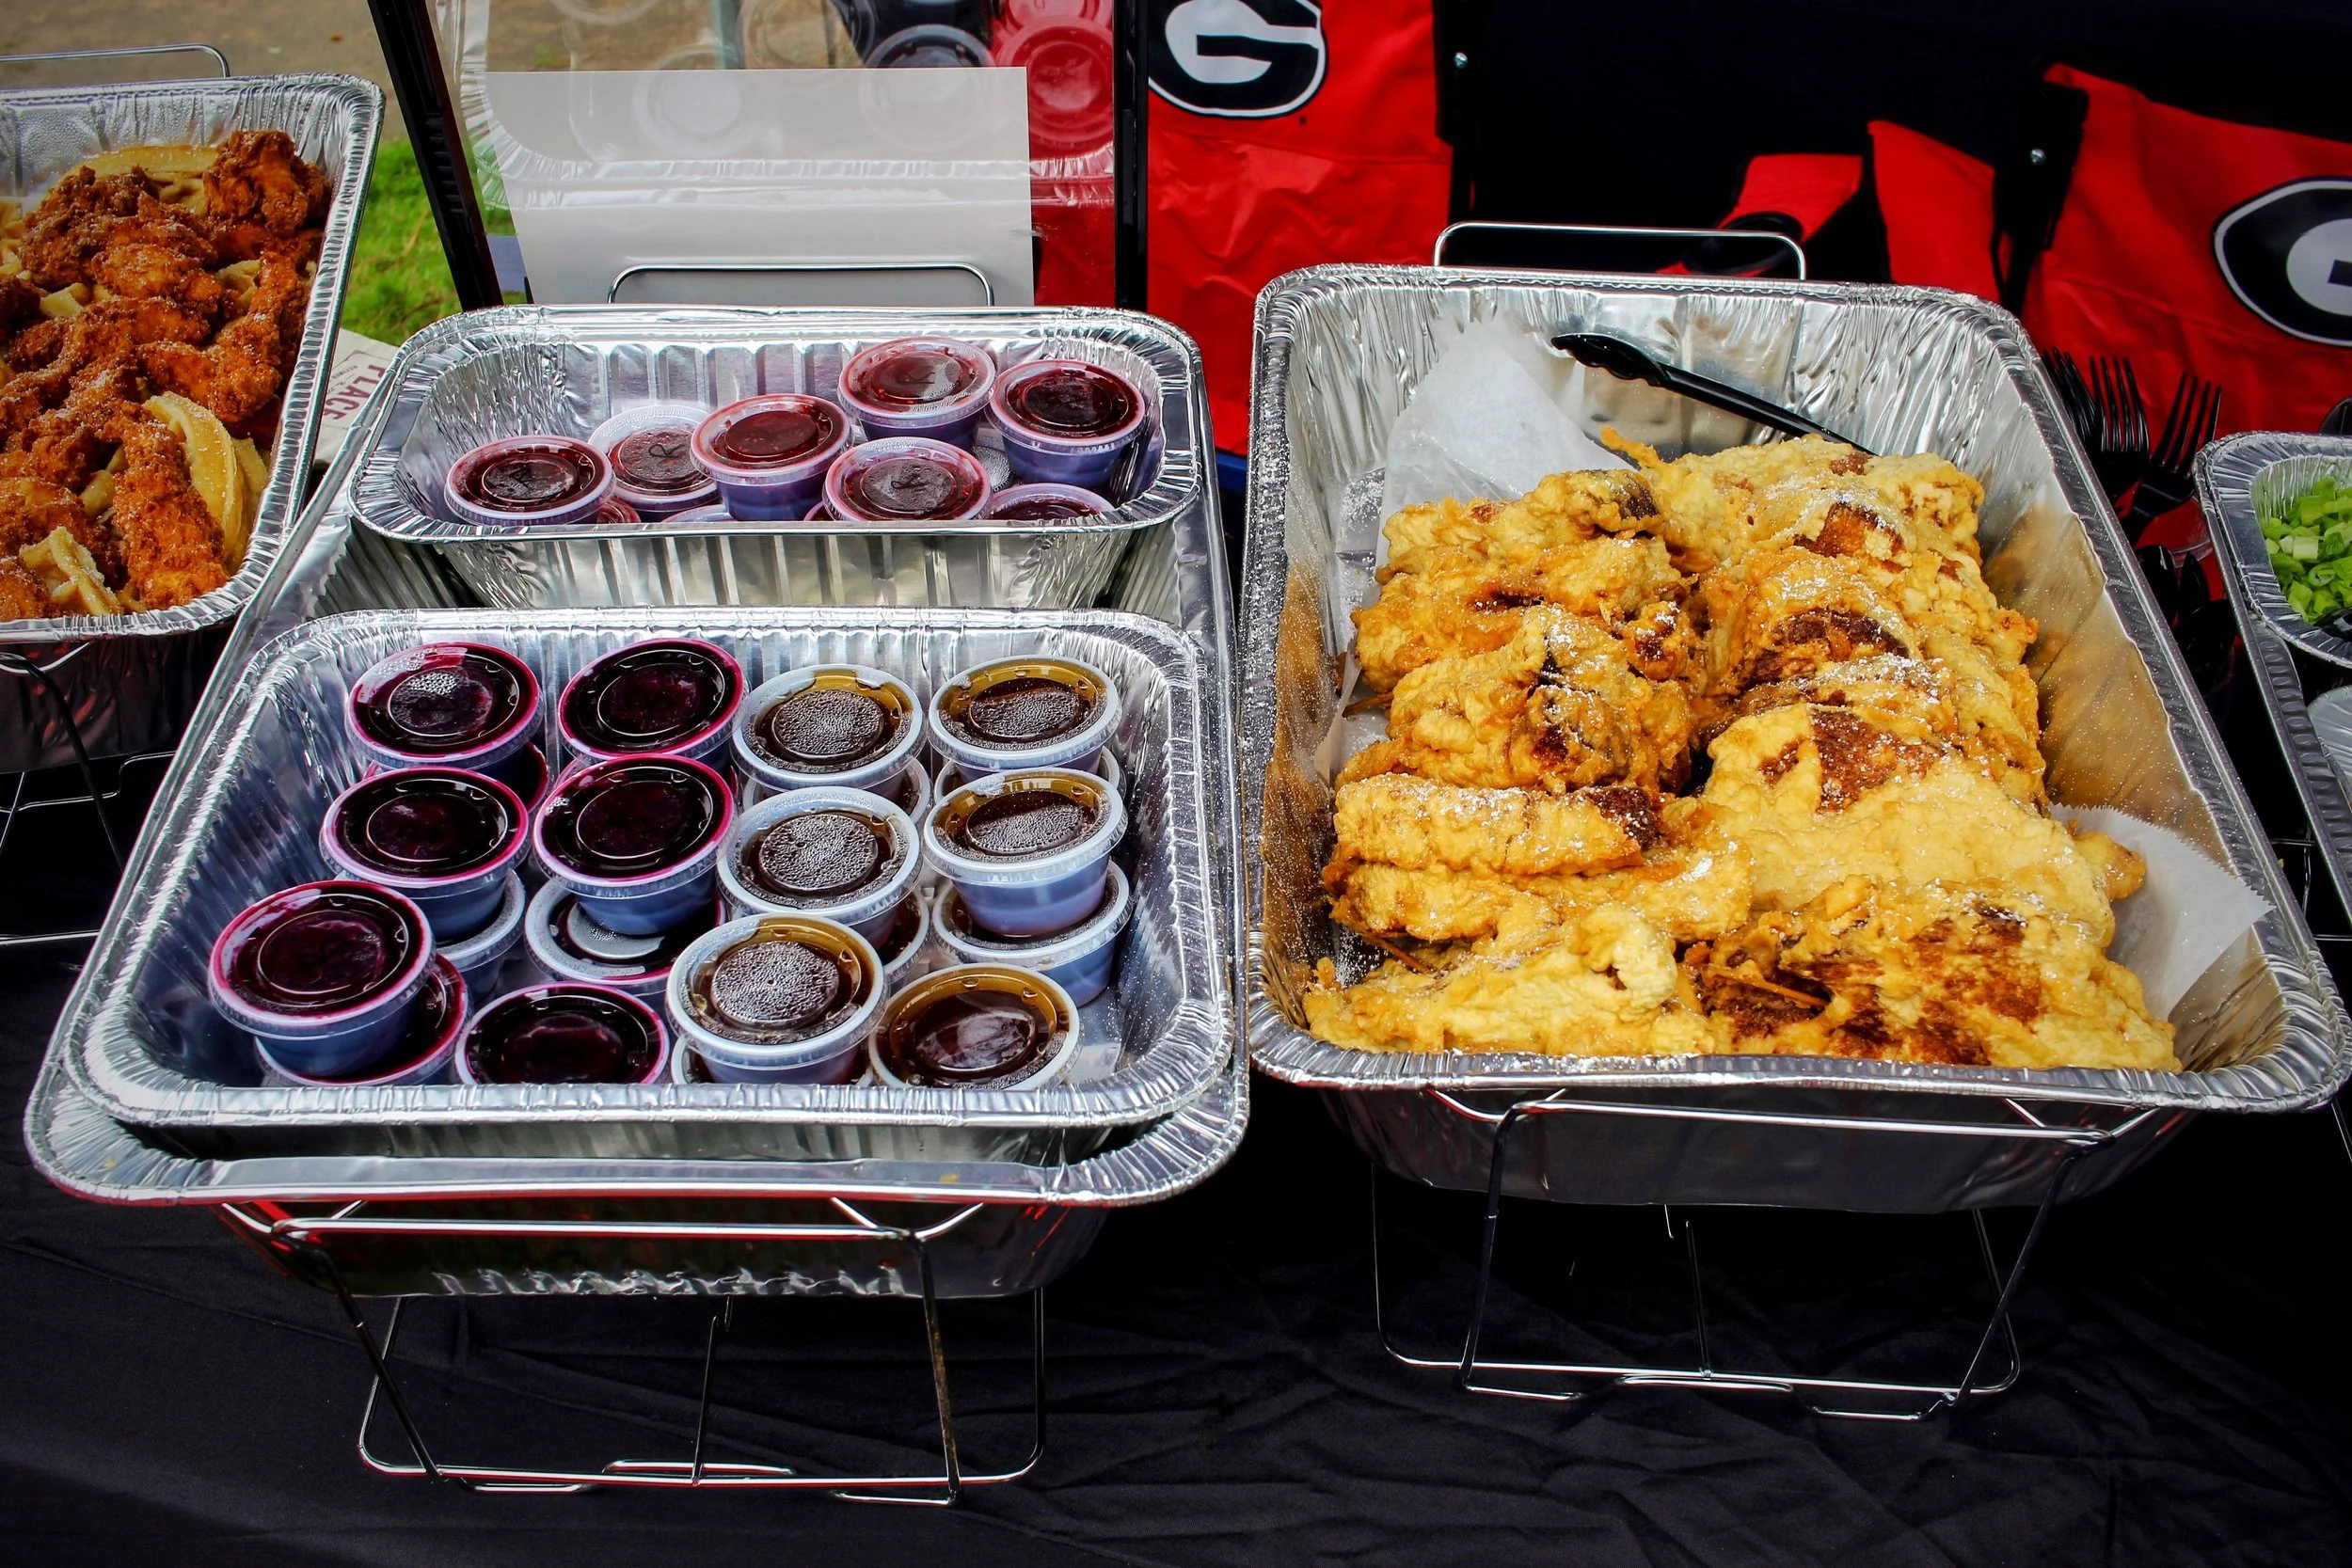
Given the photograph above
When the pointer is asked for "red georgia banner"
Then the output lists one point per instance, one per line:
(1282, 137)
(2190, 244)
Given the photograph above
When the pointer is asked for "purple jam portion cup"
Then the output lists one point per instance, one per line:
(669, 696)
(535, 479)
(565, 1032)
(1031, 895)
(435, 1025)
(1067, 421)
(447, 705)
(931, 386)
(636, 841)
(909, 481)
(446, 838)
(651, 448)
(768, 455)
(481, 956)
(1045, 503)
(324, 975)
(567, 943)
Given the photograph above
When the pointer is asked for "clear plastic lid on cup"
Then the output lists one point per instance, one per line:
(651, 450)
(1035, 710)
(1030, 851)
(435, 1024)
(769, 453)
(1067, 421)
(853, 868)
(636, 840)
(446, 837)
(540, 479)
(565, 1032)
(976, 1026)
(907, 479)
(777, 998)
(455, 704)
(1045, 503)
(672, 696)
(828, 725)
(1079, 960)
(324, 974)
(933, 387)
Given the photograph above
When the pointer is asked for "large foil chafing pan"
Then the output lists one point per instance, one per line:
(495, 1226)
(130, 681)
(145, 1041)
(492, 374)
(2238, 479)
(1339, 349)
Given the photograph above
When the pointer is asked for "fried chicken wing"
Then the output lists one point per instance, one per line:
(1558, 708)
(170, 543)
(259, 177)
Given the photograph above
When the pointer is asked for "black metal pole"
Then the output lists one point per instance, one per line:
(1130, 157)
(405, 29)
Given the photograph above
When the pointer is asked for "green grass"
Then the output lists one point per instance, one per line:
(399, 277)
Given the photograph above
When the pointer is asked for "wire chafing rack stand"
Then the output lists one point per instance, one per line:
(301, 1244)
(1821, 1395)
(96, 799)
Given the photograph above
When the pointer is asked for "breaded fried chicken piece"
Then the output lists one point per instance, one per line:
(235, 377)
(1560, 706)
(170, 543)
(22, 597)
(151, 272)
(1961, 973)
(1603, 985)
(32, 509)
(1564, 509)
(1459, 599)
(85, 214)
(258, 189)
(1396, 820)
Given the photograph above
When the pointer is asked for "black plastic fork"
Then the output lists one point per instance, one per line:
(2167, 482)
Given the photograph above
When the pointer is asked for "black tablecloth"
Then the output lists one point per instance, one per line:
(1219, 1395)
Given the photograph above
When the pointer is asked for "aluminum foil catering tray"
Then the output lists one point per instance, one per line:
(2236, 477)
(488, 1226)
(492, 374)
(1902, 370)
(130, 681)
(143, 1040)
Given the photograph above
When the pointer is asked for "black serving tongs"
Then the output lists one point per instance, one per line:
(1628, 362)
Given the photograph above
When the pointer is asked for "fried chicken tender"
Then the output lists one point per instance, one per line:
(1690, 888)
(151, 272)
(1458, 599)
(1563, 508)
(258, 189)
(235, 377)
(85, 214)
(1605, 985)
(1558, 708)
(1961, 973)
(1396, 820)
(170, 543)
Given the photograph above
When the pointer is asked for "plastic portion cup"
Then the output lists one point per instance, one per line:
(397, 827)
(1080, 960)
(1105, 766)
(1044, 503)
(907, 479)
(1006, 713)
(564, 1033)
(651, 448)
(905, 944)
(446, 705)
(933, 386)
(635, 841)
(1067, 421)
(847, 725)
(324, 975)
(435, 1025)
(672, 696)
(480, 957)
(538, 479)
(768, 455)
(569, 943)
(976, 1026)
(1031, 893)
(832, 977)
(867, 908)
